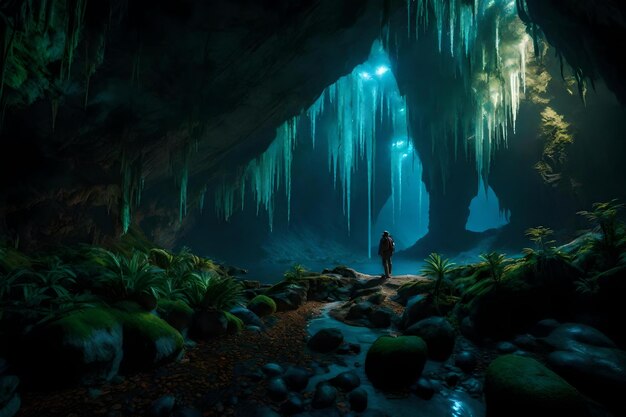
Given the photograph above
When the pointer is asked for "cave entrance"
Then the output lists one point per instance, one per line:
(359, 123)
(485, 211)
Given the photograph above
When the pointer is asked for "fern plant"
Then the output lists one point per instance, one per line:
(296, 273)
(211, 291)
(539, 236)
(495, 262)
(436, 267)
(124, 277)
(604, 217)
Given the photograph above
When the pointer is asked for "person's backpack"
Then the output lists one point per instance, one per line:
(389, 245)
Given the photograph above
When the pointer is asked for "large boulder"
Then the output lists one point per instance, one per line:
(289, 295)
(247, 316)
(326, 340)
(395, 362)
(148, 341)
(422, 306)
(84, 347)
(573, 336)
(517, 386)
(438, 334)
(176, 313)
(360, 310)
(325, 396)
(343, 271)
(381, 317)
(589, 360)
(262, 305)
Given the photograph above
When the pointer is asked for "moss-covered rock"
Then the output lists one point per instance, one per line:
(84, 347)
(517, 386)
(395, 362)
(148, 341)
(176, 313)
(262, 305)
(234, 323)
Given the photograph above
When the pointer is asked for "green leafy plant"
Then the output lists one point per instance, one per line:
(436, 267)
(496, 263)
(296, 272)
(223, 293)
(211, 291)
(587, 286)
(604, 217)
(124, 278)
(539, 235)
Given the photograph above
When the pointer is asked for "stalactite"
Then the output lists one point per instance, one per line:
(356, 102)
(488, 42)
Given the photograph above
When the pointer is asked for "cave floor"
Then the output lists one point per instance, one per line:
(218, 376)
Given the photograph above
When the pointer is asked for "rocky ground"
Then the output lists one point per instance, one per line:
(344, 343)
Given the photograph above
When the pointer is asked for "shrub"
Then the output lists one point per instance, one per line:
(436, 267)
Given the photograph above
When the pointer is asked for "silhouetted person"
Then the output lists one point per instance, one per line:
(385, 251)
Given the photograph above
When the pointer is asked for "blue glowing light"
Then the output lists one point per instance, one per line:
(365, 75)
(382, 70)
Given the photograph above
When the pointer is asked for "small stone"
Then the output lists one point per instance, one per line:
(326, 340)
(473, 387)
(162, 407)
(272, 370)
(506, 347)
(293, 405)
(346, 381)
(358, 399)
(526, 342)
(424, 388)
(466, 360)
(277, 389)
(296, 378)
(325, 396)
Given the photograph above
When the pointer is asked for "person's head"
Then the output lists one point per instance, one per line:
(385, 233)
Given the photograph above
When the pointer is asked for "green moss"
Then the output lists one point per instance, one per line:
(235, 324)
(395, 362)
(388, 345)
(521, 386)
(83, 323)
(151, 326)
(174, 306)
(262, 305)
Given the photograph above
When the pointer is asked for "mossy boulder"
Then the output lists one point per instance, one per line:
(517, 386)
(84, 347)
(149, 341)
(395, 362)
(262, 305)
(176, 313)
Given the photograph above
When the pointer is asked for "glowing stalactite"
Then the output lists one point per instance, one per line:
(489, 43)
(358, 102)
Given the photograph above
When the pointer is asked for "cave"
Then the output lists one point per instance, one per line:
(312, 208)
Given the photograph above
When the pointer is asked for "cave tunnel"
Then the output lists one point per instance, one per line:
(312, 208)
